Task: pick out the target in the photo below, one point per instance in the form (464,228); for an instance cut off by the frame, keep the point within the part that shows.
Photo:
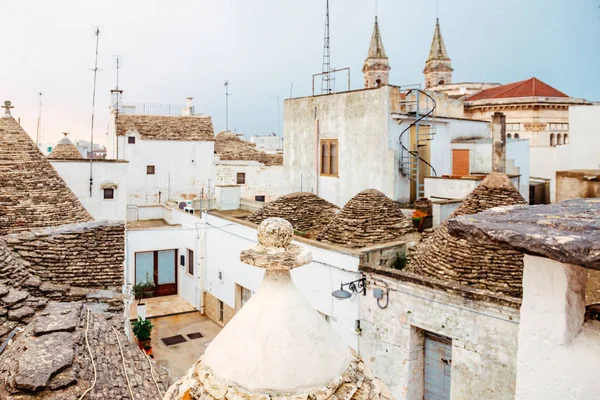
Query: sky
(268,50)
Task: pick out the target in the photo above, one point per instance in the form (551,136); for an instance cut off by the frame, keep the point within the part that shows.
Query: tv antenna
(39,124)
(226,84)
(97,33)
(325,77)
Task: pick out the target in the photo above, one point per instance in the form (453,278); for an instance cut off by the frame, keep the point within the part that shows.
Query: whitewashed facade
(256,180)
(109,195)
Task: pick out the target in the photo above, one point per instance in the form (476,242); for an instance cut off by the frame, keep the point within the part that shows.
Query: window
(508,136)
(220,306)
(566,140)
(559,139)
(516,135)
(131,139)
(260,198)
(242,295)
(513,127)
(109,194)
(558,127)
(241,178)
(190,262)
(329,157)
(150,170)
(552,140)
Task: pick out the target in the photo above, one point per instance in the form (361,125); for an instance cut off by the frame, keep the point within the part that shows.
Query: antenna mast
(226,105)
(97,33)
(39,124)
(325,77)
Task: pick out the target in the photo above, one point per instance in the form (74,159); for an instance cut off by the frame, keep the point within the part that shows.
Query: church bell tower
(438,68)
(376,69)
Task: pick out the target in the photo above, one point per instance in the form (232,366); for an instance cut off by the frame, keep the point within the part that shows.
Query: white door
(438,366)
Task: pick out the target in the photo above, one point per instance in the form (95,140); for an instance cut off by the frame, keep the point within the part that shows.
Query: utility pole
(325,77)
(39,124)
(226,105)
(97,33)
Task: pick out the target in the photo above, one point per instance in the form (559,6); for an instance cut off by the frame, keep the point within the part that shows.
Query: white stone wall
(558,354)
(76,174)
(484,340)
(262,180)
(584,137)
(182,169)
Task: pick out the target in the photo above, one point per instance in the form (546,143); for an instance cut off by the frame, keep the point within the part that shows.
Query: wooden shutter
(460,162)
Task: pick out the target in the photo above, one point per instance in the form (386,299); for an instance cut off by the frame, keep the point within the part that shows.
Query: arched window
(441,82)
(558,139)
(566,139)
(516,135)
(508,135)
(552,140)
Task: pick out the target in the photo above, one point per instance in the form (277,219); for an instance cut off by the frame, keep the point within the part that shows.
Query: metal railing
(153,109)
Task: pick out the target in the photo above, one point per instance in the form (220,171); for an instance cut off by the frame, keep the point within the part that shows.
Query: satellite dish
(182,205)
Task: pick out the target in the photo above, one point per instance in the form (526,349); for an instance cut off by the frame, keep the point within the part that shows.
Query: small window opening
(131,139)
(190,262)
(221,310)
(260,198)
(516,135)
(109,194)
(508,136)
(150,170)
(241,178)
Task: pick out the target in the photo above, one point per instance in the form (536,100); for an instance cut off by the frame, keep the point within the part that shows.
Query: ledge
(568,231)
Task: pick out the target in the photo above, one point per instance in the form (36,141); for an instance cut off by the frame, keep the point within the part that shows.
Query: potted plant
(142,328)
(148,349)
(143,291)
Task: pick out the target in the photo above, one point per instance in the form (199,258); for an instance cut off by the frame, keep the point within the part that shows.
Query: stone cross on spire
(7,108)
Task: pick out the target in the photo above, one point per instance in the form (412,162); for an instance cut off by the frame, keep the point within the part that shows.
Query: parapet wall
(88,254)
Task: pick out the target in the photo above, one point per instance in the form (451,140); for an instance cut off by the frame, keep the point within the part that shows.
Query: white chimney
(189,108)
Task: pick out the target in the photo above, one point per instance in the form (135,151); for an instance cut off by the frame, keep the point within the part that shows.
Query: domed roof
(277,344)
(32,194)
(65,150)
(368,218)
(307,212)
(489,266)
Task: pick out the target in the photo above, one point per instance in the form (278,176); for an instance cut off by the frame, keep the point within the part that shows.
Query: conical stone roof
(65,150)
(438,48)
(490,267)
(277,345)
(307,212)
(32,194)
(368,218)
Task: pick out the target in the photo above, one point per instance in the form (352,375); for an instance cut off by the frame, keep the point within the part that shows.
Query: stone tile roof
(307,212)
(50,359)
(368,218)
(65,150)
(532,87)
(158,127)
(32,194)
(568,231)
(231,147)
(481,266)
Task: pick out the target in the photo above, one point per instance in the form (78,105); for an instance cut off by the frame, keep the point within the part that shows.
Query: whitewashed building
(170,156)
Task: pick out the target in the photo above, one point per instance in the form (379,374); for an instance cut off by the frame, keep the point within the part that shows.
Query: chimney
(189,108)
(498,142)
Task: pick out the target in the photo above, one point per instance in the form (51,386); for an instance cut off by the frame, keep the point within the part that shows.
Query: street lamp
(357,286)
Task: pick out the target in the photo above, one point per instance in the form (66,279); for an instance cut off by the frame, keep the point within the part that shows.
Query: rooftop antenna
(437,9)
(97,33)
(226,105)
(117,73)
(39,124)
(325,77)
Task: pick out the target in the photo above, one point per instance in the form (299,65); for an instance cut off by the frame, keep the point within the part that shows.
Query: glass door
(166,280)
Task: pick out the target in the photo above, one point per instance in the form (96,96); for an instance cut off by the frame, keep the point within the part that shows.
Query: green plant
(399,262)
(142,328)
(143,290)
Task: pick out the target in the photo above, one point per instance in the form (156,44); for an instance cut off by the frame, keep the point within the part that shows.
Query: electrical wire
(152,374)
(87,343)
(123,361)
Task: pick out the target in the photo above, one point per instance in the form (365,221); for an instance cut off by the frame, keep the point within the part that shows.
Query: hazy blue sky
(174,49)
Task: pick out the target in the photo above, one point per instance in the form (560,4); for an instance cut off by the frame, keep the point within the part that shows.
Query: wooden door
(460,162)
(438,367)
(158,267)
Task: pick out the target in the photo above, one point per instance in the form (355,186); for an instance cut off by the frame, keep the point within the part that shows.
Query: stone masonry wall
(211,309)
(86,255)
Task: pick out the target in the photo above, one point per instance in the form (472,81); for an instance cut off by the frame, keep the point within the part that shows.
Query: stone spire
(438,68)
(7,106)
(376,69)
(277,345)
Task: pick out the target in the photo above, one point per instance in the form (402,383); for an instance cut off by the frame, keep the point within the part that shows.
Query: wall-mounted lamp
(357,286)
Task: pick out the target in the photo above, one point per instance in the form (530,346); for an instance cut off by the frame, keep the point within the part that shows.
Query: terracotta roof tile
(368,218)
(528,88)
(32,194)
(158,127)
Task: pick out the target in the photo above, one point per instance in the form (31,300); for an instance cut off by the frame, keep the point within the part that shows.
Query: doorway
(158,267)
(438,366)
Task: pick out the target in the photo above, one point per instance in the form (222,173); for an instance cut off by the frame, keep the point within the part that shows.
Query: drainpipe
(498,142)
(317,153)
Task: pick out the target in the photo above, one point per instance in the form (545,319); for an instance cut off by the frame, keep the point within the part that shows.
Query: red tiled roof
(529,88)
